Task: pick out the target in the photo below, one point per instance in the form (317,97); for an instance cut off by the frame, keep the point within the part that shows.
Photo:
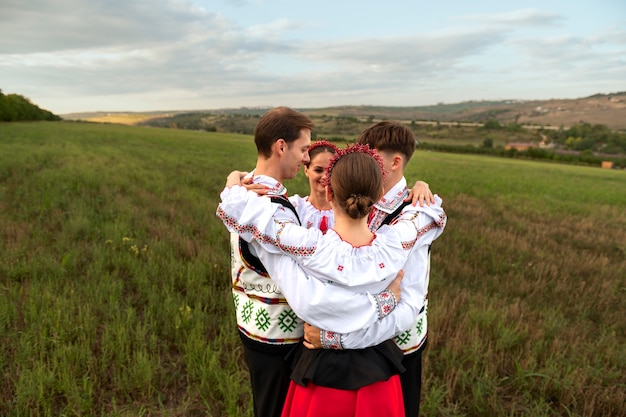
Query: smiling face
(315,171)
(296,154)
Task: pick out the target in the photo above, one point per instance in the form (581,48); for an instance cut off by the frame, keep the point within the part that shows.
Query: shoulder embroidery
(262,237)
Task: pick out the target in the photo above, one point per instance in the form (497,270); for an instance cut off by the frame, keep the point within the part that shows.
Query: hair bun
(358,206)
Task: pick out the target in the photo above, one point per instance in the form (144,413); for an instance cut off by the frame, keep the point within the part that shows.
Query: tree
(14,107)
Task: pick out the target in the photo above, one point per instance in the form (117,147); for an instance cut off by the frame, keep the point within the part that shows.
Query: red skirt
(380,399)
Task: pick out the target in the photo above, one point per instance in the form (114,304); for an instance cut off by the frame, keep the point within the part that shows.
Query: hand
(394,287)
(312,337)
(235,177)
(260,189)
(421,193)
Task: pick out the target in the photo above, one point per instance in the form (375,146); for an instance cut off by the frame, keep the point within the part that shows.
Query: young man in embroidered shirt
(395,143)
(268,328)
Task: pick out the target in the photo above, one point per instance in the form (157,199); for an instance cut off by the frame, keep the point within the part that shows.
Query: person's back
(352,198)
(396,144)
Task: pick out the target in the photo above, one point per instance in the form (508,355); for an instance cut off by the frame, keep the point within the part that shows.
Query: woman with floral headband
(330,382)
(314,210)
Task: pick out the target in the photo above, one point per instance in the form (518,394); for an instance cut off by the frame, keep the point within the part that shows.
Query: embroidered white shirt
(343,270)
(310,216)
(410,315)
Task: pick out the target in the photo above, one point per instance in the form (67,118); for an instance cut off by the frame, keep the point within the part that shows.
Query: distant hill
(604,109)
(14,107)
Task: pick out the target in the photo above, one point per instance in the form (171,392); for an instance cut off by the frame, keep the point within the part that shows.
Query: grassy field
(114,279)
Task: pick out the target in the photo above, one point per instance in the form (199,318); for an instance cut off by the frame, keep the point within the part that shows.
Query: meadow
(115,275)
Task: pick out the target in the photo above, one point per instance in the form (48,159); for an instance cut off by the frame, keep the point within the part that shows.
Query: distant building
(519,146)
(544,144)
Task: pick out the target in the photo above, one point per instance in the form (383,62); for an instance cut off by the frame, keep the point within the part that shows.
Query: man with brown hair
(268,327)
(395,142)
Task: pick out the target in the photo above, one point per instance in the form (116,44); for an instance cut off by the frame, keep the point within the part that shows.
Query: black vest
(244,248)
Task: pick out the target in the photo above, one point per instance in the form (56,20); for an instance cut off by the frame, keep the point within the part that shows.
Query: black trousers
(269,375)
(411,381)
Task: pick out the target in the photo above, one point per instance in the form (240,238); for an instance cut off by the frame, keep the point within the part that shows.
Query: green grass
(114,279)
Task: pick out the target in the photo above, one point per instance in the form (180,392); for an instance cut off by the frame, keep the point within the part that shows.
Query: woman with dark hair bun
(349,258)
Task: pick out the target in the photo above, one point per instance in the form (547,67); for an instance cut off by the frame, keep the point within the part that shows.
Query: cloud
(45,26)
(156,54)
(521,17)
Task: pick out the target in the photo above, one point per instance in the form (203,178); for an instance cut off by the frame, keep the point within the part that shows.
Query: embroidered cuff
(330,340)
(385,303)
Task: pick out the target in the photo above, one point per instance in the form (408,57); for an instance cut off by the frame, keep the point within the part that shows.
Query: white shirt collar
(393,197)
(276,187)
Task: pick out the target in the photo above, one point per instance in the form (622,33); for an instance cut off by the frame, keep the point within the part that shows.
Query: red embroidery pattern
(261,237)
(407,245)
(330,340)
(294,250)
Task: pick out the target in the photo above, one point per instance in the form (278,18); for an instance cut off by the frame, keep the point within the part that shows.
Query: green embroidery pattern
(236,300)
(246,312)
(262,319)
(403,338)
(287,321)
(420,326)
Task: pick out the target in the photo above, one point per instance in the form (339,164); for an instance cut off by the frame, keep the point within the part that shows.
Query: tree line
(14,108)
(581,137)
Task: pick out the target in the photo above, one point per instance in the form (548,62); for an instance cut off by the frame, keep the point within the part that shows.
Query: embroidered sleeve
(385,303)
(330,340)
(258,218)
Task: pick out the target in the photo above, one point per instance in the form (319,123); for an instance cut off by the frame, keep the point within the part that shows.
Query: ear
(280,146)
(329,194)
(397,162)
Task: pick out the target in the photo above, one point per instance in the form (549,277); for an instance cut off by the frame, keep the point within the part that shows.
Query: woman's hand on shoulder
(420,193)
(235,178)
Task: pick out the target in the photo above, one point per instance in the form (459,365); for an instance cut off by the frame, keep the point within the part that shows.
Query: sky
(148,55)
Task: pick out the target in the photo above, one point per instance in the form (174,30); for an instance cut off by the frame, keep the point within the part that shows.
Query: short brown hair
(356,182)
(279,123)
(389,136)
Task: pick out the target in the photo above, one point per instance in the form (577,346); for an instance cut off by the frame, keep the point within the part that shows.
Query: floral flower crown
(323,143)
(355,148)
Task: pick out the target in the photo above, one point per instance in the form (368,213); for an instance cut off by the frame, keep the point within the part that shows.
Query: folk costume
(357,376)
(311,216)
(412,340)
(268,327)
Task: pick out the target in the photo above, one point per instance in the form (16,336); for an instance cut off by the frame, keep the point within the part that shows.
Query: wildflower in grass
(185,311)
(134,249)
(183,316)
